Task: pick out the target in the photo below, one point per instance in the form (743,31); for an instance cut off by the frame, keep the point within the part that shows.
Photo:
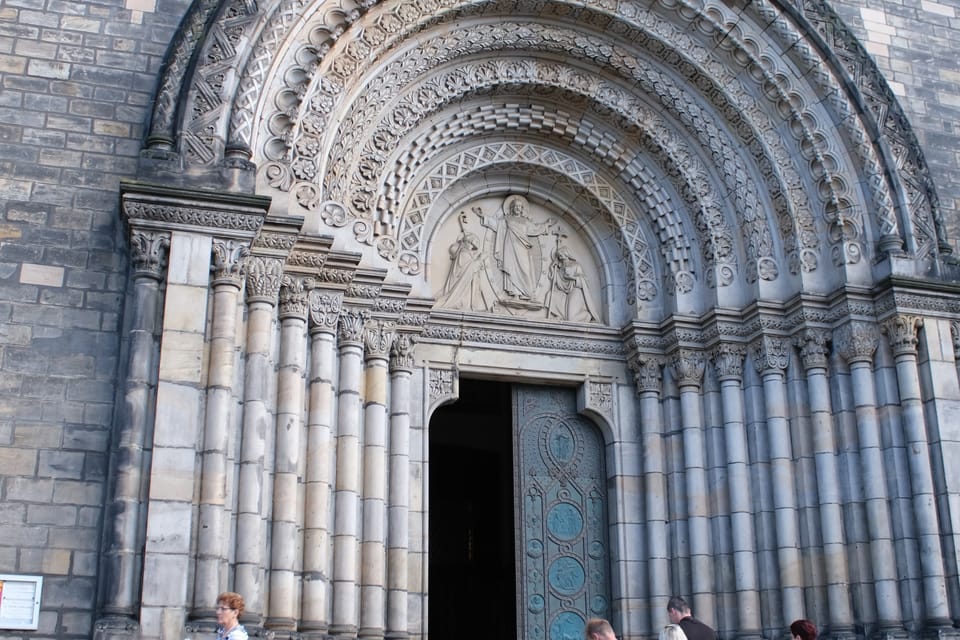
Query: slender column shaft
(689,367)
(857,342)
(771,359)
(398,530)
(347,492)
(263,286)
(813,352)
(728,361)
(378,337)
(324,314)
(213,514)
(902,332)
(649,382)
(123,558)
(287,498)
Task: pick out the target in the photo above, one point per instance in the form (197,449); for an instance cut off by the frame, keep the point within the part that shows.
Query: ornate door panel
(562,558)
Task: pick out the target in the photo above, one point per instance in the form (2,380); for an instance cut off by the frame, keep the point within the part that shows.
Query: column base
(889,631)
(116,628)
(840,633)
(941,629)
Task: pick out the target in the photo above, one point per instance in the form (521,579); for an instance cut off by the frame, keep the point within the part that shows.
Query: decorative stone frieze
(856,341)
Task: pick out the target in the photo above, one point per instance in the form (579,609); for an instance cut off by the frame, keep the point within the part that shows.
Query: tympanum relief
(508,256)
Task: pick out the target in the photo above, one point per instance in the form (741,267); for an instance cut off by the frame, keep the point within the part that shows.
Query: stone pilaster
(288,449)
(122,558)
(346,536)
(902,332)
(771,357)
(213,514)
(325,308)
(688,367)
(856,342)
(648,376)
(728,361)
(814,357)
(263,277)
(398,535)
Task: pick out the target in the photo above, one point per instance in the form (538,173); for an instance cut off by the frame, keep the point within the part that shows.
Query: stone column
(688,367)
(324,314)
(856,343)
(901,330)
(728,361)
(287,498)
(378,338)
(171,504)
(347,490)
(123,529)
(649,381)
(771,358)
(253,501)
(398,529)
(814,358)
(228,257)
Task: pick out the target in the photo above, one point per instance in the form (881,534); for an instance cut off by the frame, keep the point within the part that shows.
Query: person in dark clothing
(679,613)
(803,630)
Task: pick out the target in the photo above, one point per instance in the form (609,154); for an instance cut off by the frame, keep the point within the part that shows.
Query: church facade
(405,318)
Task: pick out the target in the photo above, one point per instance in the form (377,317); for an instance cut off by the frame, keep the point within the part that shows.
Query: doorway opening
(472,563)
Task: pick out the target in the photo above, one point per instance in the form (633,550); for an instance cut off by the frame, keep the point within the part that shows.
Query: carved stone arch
(863,105)
(627,229)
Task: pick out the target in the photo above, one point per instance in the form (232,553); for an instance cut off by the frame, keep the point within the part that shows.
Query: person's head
(672,632)
(229,609)
(803,630)
(677,609)
(598,629)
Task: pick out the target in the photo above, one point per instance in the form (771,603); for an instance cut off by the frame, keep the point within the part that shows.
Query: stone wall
(76,79)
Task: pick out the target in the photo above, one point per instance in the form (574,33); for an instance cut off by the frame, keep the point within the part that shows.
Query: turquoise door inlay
(561,515)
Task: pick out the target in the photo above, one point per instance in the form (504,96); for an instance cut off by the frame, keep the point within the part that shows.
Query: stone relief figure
(506,269)
(567,298)
(467,286)
(517,247)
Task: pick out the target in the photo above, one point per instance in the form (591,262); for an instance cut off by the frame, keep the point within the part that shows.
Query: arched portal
(692,215)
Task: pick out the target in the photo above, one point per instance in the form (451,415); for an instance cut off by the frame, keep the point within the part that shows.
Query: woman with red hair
(803,630)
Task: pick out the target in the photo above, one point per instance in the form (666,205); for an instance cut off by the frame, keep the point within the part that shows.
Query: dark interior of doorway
(472,574)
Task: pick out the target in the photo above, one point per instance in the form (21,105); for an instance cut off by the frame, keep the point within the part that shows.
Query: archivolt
(855,108)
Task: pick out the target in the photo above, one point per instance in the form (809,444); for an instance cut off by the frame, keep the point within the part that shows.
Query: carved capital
(770,355)
(646,372)
(148,253)
(378,336)
(728,359)
(263,279)
(813,348)
(443,385)
(401,352)
(600,397)
(688,366)
(325,307)
(901,330)
(228,261)
(294,297)
(955,333)
(351,327)
(857,341)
